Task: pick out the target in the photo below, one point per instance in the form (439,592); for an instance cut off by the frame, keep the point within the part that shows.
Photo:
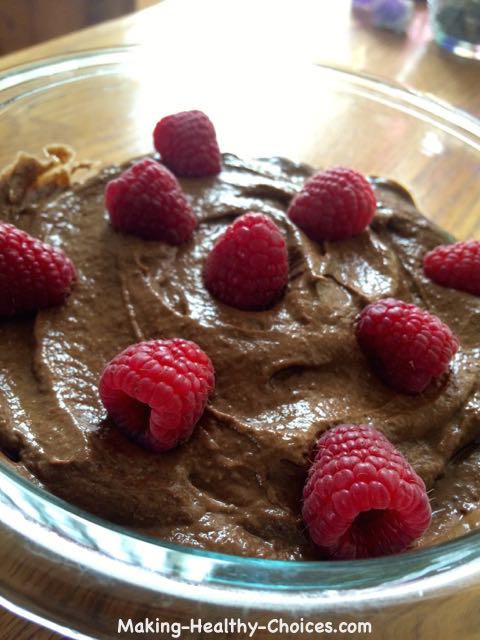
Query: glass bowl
(79,575)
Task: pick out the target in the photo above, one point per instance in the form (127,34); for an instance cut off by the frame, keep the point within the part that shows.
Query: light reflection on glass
(431,144)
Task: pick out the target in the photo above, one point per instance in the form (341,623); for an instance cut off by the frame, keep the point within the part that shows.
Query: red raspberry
(157,391)
(147,201)
(407,346)
(33,275)
(455,265)
(188,144)
(333,205)
(248,266)
(362,498)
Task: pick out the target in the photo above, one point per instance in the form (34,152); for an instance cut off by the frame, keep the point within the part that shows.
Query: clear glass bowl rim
(100,547)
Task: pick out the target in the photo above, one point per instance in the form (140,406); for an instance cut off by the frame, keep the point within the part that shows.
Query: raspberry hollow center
(375,532)
(130,414)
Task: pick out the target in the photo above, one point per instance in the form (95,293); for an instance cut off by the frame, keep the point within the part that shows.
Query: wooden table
(213,28)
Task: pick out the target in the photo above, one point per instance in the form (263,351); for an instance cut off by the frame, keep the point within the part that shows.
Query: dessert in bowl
(226,458)
(283,374)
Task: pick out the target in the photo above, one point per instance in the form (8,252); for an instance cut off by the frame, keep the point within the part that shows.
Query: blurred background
(27,22)
(455,23)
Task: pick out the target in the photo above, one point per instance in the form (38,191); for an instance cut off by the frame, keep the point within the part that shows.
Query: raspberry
(188,144)
(406,345)
(147,201)
(362,498)
(455,265)
(333,205)
(156,391)
(33,275)
(248,266)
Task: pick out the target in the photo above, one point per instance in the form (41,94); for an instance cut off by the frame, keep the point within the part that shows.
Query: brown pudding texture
(283,376)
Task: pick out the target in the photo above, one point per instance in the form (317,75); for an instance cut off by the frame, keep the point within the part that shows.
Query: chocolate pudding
(283,376)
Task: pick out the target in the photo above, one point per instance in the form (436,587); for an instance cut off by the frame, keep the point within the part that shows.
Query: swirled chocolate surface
(283,375)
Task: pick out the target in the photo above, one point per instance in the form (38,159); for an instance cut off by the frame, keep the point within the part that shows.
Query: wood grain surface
(26,22)
(208,29)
